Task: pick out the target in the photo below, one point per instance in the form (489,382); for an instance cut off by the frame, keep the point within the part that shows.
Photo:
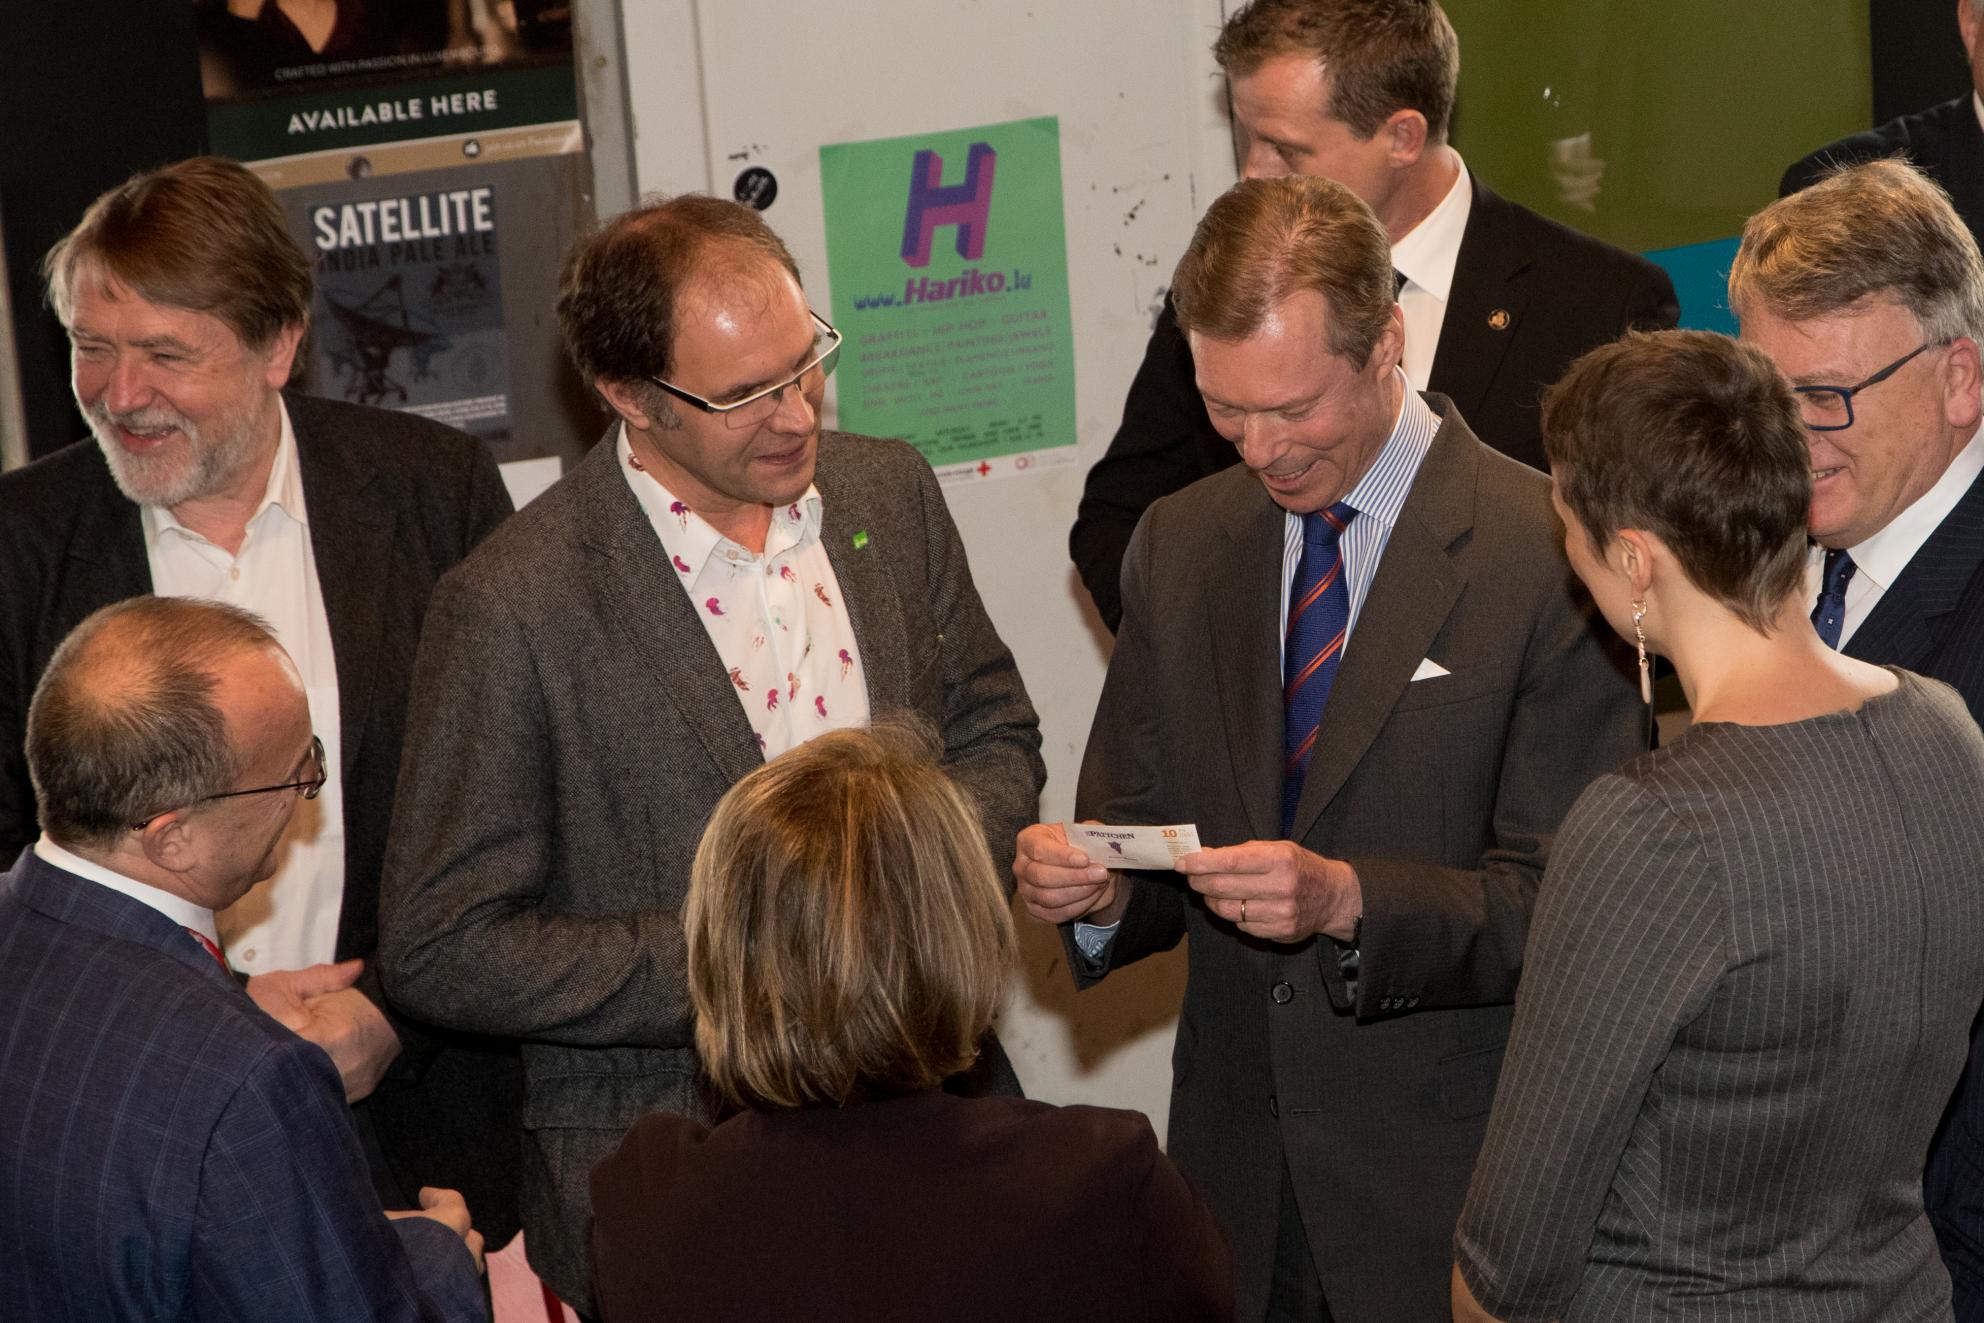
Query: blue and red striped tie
(1318,621)
(207,945)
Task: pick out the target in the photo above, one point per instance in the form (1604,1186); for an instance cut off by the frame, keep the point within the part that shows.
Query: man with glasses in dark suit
(186,302)
(720,580)
(1867,291)
(174,1153)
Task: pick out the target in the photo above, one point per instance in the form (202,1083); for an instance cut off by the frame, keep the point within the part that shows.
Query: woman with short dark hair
(1757,951)
(847,942)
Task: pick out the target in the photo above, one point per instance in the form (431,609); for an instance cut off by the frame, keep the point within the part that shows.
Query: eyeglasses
(1830,408)
(309,786)
(762,404)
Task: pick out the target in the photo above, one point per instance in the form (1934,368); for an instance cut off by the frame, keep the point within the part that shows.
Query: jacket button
(1274,1106)
(1282,994)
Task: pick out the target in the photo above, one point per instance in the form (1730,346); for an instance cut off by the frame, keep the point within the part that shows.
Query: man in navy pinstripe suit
(175,1153)
(1867,291)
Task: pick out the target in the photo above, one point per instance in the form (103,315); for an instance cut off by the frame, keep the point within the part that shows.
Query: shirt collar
(284,491)
(176,908)
(1882,557)
(1380,494)
(1426,254)
(689,540)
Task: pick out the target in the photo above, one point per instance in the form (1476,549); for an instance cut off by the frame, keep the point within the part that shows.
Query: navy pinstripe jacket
(172,1153)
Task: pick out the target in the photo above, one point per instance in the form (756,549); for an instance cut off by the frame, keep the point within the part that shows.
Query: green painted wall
(1659,125)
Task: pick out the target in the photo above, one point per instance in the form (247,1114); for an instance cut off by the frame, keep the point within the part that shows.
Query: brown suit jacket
(1443,793)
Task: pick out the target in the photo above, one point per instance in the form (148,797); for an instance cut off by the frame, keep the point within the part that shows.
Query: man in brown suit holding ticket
(1358,664)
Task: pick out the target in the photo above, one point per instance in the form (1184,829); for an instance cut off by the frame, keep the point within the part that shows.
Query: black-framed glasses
(1830,408)
(762,404)
(310,786)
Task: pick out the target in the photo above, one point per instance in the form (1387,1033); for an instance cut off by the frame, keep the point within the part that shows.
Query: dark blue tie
(1318,619)
(1830,613)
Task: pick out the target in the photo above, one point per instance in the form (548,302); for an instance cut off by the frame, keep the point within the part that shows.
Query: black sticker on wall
(756,187)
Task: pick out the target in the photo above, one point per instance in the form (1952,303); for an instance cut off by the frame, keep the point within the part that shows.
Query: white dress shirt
(776,618)
(1426,258)
(291,920)
(1879,561)
(176,908)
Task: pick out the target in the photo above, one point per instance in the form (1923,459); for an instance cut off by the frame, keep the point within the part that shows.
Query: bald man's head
(132,718)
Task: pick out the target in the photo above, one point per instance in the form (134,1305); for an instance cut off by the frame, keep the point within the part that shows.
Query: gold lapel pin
(1498,320)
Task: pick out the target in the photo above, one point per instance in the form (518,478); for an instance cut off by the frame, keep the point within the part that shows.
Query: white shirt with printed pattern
(776,619)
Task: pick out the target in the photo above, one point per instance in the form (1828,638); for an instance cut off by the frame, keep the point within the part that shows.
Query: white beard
(196,466)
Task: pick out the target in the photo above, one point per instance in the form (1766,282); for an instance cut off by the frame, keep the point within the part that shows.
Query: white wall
(717,85)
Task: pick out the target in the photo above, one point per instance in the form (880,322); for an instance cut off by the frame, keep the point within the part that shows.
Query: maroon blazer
(919,1207)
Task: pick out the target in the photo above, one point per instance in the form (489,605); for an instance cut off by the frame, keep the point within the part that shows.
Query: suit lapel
(351,540)
(106,556)
(1484,306)
(1908,623)
(644,597)
(866,587)
(1243,614)
(1414,591)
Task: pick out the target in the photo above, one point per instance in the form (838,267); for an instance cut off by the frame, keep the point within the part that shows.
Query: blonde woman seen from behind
(847,943)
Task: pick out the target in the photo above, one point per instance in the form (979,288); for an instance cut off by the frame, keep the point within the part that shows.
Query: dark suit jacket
(1944,140)
(394,500)
(1563,293)
(1443,793)
(1932,622)
(911,1208)
(172,1152)
(572,730)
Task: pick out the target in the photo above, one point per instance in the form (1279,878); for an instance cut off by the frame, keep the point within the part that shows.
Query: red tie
(212,950)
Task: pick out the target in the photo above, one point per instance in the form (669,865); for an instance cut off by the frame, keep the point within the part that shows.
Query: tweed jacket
(573,729)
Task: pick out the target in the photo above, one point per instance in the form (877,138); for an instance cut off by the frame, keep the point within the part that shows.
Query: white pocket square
(1428,669)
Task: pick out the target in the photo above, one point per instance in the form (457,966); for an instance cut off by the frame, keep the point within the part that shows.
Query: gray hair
(1881,229)
(124,726)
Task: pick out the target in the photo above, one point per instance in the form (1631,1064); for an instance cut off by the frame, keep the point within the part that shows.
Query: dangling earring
(1646,676)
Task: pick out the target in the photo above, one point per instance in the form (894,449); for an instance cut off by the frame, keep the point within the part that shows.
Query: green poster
(949,265)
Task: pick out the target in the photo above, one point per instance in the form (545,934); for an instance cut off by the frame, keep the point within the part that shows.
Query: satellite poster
(409,306)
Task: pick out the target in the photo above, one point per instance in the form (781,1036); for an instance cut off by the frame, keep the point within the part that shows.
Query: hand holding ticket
(1133,847)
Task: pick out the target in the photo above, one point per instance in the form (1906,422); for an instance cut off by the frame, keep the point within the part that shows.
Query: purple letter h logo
(931,204)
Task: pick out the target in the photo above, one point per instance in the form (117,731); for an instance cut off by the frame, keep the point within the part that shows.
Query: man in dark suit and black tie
(1946,141)
(1867,291)
(1358,664)
(1497,300)
(186,301)
(173,1153)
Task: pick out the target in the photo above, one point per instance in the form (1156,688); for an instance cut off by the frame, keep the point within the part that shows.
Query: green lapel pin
(861,540)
